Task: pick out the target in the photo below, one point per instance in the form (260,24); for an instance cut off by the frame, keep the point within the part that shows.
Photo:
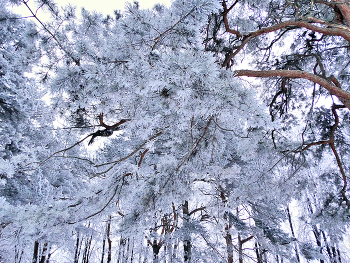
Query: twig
(128,156)
(103,208)
(171,28)
(142,156)
(77,62)
(195,147)
(66,149)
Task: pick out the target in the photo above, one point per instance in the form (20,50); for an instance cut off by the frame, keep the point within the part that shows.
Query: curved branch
(341,94)
(224,15)
(332,30)
(114,163)
(96,213)
(330,141)
(64,150)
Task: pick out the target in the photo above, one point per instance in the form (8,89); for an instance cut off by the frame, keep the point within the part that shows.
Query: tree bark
(109,241)
(43,253)
(77,249)
(187,240)
(103,249)
(155,248)
(229,245)
(35,253)
(293,235)
(341,94)
(345,11)
(240,249)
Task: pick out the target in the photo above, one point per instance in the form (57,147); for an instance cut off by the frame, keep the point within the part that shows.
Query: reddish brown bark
(328,84)
(307,22)
(345,10)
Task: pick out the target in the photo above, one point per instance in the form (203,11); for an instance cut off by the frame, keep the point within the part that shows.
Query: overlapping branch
(330,141)
(330,84)
(331,29)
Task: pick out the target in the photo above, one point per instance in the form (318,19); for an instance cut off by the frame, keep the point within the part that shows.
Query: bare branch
(170,29)
(195,147)
(341,94)
(128,156)
(77,62)
(226,11)
(330,30)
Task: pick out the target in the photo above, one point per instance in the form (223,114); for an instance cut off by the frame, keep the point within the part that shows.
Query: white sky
(102,6)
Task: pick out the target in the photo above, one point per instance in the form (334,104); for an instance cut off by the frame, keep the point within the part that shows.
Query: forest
(206,131)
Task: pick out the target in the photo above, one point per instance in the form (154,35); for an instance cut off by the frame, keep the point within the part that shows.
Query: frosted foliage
(128,137)
(6,168)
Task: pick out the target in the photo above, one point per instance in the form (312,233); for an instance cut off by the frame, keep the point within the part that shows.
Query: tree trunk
(35,253)
(132,251)
(333,253)
(48,256)
(77,249)
(43,254)
(155,248)
(109,257)
(293,235)
(257,252)
(86,255)
(316,232)
(187,239)
(229,245)
(103,249)
(240,249)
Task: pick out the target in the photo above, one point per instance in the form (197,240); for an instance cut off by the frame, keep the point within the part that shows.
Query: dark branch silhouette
(108,131)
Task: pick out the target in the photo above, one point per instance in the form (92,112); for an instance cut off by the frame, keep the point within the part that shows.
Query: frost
(6,168)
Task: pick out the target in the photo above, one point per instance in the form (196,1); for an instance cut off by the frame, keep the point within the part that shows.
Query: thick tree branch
(330,30)
(224,15)
(341,94)
(344,9)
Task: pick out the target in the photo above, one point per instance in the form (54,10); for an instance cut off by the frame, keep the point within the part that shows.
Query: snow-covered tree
(154,145)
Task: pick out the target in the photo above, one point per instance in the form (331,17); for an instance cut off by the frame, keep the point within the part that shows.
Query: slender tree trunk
(18,254)
(43,253)
(187,239)
(155,249)
(229,244)
(293,235)
(121,247)
(86,254)
(77,249)
(48,256)
(89,250)
(127,250)
(103,249)
(35,253)
(330,250)
(316,232)
(257,252)
(240,249)
(109,257)
(174,255)
(339,257)
(132,251)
